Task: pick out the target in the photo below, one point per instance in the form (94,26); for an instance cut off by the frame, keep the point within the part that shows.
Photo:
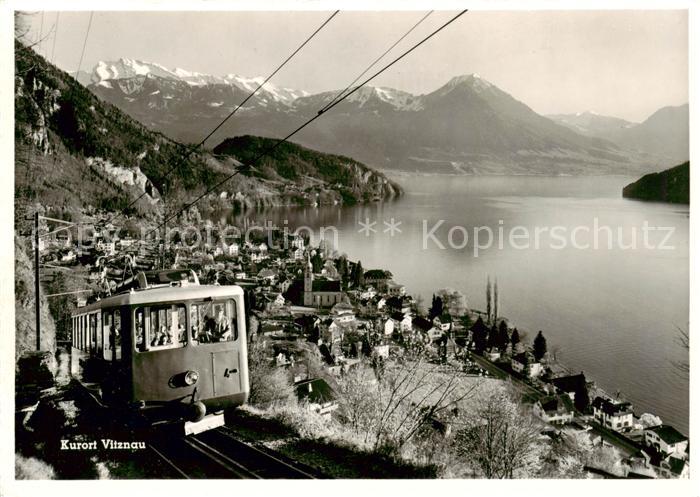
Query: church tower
(308,282)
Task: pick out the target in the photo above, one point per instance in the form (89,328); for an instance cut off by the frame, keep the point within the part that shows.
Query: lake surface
(612,312)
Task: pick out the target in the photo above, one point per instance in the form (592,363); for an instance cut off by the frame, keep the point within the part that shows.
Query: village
(308,303)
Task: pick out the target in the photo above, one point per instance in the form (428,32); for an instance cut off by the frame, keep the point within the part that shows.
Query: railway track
(219,454)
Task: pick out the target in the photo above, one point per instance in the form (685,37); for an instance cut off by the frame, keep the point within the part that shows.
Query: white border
(10,487)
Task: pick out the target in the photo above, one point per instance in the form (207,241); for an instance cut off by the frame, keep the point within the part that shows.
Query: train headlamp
(191,377)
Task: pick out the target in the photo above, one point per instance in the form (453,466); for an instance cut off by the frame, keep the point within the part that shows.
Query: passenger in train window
(140,336)
(194,323)
(223,328)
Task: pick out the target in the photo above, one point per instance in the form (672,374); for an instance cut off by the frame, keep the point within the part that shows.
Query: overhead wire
(82,54)
(218,126)
(55,34)
(379,58)
(269,150)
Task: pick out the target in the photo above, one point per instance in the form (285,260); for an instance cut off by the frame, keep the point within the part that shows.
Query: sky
(625,64)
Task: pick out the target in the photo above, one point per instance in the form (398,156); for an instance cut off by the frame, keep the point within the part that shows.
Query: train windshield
(165,326)
(213,321)
(160,327)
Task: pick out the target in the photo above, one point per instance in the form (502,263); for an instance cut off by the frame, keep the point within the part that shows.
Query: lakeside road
(627,446)
(532,393)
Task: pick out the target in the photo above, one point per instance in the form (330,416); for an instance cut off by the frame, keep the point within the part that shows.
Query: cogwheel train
(166,349)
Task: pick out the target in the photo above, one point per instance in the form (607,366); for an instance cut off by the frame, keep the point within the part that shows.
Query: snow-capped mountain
(664,133)
(468,125)
(590,123)
(105,72)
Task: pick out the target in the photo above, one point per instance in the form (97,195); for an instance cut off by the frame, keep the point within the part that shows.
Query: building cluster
(308,301)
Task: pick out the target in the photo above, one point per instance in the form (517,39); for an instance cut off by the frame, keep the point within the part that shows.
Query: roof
(397,316)
(377,274)
(570,383)
(325,286)
(611,408)
(559,404)
(522,358)
(422,323)
(316,391)
(445,318)
(668,434)
(675,465)
(163,294)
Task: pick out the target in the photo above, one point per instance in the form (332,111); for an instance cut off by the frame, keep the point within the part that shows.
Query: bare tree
(683,340)
(390,411)
(500,439)
(268,384)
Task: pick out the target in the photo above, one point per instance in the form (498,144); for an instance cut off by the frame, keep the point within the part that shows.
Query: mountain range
(664,133)
(467,126)
(78,154)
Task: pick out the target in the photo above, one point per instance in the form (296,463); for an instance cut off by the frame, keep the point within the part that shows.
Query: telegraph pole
(37,304)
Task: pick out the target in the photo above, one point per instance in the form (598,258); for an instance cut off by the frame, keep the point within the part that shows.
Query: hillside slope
(671,185)
(78,154)
(291,163)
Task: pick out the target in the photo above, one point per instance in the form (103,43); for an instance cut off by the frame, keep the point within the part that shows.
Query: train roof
(163,294)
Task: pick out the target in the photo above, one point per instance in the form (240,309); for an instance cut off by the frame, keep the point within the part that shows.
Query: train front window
(213,321)
(160,327)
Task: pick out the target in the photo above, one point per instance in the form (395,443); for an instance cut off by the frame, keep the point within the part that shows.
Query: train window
(107,321)
(98,333)
(140,330)
(213,321)
(116,336)
(160,327)
(92,319)
(111,335)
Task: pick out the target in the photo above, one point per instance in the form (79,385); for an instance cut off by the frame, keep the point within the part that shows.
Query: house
(402,321)
(444,322)
(232,249)
(298,243)
(394,289)
(525,364)
(435,333)
(368,293)
(617,416)
(378,278)
(107,247)
(400,304)
(666,439)
(421,324)
(673,467)
(388,327)
(299,254)
(556,409)
(343,312)
(267,274)
(318,396)
(571,385)
(493,354)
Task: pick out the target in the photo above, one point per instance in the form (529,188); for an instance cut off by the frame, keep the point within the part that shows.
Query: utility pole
(37,305)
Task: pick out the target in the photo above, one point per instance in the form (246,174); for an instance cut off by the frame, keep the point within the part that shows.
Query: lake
(611,311)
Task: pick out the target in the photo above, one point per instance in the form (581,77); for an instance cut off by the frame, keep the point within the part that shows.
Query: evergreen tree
(437,308)
(317,262)
(514,338)
(539,346)
(343,269)
(479,336)
(358,275)
(488,299)
(503,337)
(493,340)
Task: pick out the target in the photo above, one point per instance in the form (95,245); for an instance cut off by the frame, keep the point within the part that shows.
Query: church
(311,292)
(320,293)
